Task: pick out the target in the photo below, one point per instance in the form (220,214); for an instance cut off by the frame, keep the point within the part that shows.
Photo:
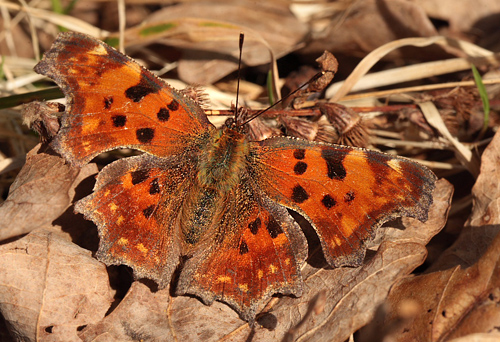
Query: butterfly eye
(230,123)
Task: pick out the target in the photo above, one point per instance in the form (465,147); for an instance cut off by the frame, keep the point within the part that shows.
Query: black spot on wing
(328,201)
(154,187)
(299,194)
(334,162)
(163,114)
(119,120)
(145,135)
(139,176)
(300,168)
(173,106)
(299,154)
(149,211)
(255,225)
(243,247)
(108,101)
(273,228)
(138,92)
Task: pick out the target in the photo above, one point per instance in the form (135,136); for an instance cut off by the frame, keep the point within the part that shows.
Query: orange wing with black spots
(257,251)
(113,102)
(344,192)
(135,205)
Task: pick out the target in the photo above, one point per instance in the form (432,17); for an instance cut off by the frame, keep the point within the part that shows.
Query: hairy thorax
(222,161)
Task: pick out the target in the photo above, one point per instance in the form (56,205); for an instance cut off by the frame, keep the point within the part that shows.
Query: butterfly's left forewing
(113,102)
(346,193)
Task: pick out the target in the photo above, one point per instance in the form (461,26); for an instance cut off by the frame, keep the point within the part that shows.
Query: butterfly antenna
(314,78)
(242,38)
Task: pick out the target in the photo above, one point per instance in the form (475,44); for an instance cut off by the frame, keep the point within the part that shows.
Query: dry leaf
(465,14)
(484,222)
(42,191)
(460,292)
(369,24)
(141,315)
(455,302)
(493,336)
(204,61)
(50,288)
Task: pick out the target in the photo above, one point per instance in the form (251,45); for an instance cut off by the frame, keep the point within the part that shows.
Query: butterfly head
(234,125)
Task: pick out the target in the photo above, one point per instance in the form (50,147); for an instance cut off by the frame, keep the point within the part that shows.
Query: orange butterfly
(208,197)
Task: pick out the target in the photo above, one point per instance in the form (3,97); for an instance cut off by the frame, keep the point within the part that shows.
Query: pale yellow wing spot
(99,50)
(120,220)
(224,279)
(243,287)
(122,241)
(394,163)
(338,242)
(141,248)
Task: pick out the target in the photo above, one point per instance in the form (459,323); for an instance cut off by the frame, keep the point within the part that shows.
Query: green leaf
(484,98)
(41,95)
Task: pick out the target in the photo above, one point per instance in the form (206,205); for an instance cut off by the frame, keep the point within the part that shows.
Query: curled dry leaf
(42,191)
(456,302)
(41,117)
(459,293)
(50,288)
(156,316)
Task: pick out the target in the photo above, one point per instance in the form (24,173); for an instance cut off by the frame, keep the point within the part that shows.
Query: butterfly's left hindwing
(345,193)
(136,204)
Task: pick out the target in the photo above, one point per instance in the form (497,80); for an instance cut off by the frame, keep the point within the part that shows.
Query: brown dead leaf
(141,315)
(50,288)
(493,336)
(42,191)
(455,302)
(205,60)
(156,316)
(465,13)
(484,223)
(460,292)
(369,24)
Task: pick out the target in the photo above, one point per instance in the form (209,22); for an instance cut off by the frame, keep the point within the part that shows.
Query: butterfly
(208,200)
